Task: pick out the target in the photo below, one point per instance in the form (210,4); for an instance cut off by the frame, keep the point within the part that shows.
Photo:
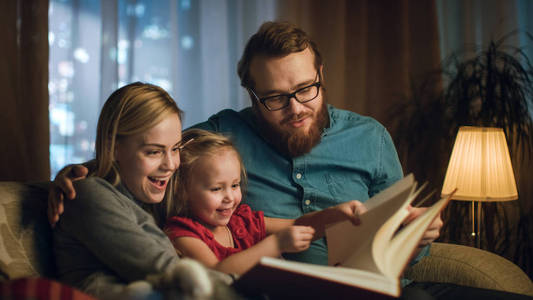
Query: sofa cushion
(25,238)
(470,266)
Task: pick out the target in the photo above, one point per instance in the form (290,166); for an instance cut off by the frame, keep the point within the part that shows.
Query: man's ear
(322,81)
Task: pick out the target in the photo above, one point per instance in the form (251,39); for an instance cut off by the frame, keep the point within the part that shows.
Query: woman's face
(147,160)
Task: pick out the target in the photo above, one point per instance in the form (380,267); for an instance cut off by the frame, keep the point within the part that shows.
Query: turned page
(352,246)
(403,244)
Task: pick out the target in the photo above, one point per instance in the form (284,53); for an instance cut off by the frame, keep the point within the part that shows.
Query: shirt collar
(331,120)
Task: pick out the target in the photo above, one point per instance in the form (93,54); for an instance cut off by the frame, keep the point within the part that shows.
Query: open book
(365,261)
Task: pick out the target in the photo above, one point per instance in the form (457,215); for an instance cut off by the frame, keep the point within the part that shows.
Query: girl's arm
(283,236)
(319,219)
(290,239)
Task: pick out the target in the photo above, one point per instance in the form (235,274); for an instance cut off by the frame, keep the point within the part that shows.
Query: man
(300,153)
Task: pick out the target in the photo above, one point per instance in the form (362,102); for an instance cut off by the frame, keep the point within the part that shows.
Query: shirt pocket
(343,187)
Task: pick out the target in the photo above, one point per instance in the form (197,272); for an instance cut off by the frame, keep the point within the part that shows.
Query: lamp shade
(480,167)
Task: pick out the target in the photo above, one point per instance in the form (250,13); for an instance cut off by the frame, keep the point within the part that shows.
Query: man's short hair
(274,39)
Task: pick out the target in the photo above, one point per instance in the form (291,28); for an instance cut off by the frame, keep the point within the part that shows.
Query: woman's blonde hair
(130,110)
(198,143)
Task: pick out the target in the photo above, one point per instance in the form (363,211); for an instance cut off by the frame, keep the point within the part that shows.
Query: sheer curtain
(188,47)
(370,48)
(467,24)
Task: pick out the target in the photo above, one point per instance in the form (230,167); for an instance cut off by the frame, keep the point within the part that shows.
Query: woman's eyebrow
(152,145)
(148,144)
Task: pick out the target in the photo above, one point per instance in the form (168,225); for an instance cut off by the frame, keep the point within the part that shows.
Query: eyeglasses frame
(317,84)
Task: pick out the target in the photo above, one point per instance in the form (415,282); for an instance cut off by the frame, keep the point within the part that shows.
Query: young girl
(209,223)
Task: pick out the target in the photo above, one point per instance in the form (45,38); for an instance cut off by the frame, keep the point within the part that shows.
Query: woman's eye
(153,152)
(216,189)
(235,185)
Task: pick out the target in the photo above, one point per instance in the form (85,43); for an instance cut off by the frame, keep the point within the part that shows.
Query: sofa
(26,249)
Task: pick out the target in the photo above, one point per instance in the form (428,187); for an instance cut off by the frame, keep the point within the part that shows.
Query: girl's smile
(214,189)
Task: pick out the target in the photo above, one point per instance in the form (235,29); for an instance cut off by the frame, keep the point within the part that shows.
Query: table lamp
(480,168)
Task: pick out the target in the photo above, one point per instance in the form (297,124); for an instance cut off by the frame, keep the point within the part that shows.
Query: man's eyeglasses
(281,101)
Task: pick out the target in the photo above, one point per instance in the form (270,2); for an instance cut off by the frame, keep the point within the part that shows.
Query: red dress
(246,226)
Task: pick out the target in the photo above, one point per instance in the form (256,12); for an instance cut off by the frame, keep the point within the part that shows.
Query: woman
(108,237)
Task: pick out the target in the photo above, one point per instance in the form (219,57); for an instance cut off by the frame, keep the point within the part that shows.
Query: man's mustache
(293,117)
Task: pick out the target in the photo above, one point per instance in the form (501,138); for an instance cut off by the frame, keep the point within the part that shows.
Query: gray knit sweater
(105,239)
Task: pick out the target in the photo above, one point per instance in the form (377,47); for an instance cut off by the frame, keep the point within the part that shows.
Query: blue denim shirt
(355,159)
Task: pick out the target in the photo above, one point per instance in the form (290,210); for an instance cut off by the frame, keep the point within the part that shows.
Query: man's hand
(295,238)
(351,210)
(433,231)
(62,187)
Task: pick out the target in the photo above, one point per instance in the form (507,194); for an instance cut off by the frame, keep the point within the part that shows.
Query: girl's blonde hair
(197,143)
(130,110)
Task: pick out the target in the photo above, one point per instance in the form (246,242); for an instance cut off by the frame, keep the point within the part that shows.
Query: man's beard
(297,143)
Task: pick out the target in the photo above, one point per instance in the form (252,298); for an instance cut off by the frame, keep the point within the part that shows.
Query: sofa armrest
(470,266)
(25,235)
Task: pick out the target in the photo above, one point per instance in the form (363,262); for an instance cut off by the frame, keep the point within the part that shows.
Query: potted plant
(490,87)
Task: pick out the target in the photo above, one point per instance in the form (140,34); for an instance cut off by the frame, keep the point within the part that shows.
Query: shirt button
(298,176)
(307,202)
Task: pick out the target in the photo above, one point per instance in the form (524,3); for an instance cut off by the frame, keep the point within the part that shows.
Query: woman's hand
(62,187)
(294,238)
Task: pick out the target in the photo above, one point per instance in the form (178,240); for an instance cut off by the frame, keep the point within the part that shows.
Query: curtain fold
(371,49)
(24,127)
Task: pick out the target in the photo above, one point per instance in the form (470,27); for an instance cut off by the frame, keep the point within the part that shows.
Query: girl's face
(147,160)
(214,189)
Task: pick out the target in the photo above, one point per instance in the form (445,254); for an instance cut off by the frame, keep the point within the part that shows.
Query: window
(188,47)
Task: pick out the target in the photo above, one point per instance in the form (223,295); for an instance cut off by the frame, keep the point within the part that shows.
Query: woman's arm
(290,239)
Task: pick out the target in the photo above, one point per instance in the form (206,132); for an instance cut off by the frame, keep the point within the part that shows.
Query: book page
(386,232)
(402,245)
(351,246)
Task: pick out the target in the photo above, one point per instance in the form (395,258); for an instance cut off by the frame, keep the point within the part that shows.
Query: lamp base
(476,222)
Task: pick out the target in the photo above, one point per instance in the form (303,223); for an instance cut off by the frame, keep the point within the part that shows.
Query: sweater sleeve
(121,235)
